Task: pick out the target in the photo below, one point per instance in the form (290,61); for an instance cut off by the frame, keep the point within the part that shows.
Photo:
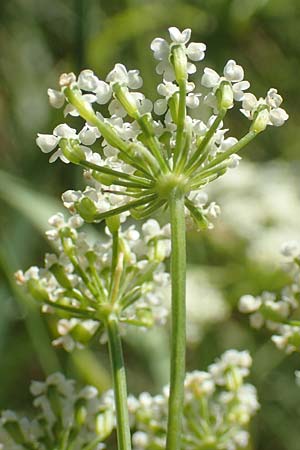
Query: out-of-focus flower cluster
(66,417)
(276,312)
(138,154)
(250,214)
(218,406)
(86,283)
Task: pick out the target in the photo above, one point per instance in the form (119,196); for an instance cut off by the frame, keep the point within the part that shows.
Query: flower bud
(105,424)
(225,96)
(59,272)
(37,291)
(72,150)
(179,61)
(261,121)
(87,209)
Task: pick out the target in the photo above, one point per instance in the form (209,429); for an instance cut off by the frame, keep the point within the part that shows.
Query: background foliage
(41,39)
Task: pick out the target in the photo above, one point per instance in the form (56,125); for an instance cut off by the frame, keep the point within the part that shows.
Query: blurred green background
(260,202)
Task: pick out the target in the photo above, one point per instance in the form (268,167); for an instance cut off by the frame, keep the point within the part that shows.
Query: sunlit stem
(129,104)
(115,173)
(234,149)
(125,207)
(180,122)
(119,382)
(178,338)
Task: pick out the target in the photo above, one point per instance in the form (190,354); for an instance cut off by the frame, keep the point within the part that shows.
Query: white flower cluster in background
(66,417)
(142,149)
(80,284)
(205,304)
(257,212)
(277,312)
(218,407)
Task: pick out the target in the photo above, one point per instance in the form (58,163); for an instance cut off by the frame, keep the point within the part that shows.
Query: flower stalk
(178,338)
(119,383)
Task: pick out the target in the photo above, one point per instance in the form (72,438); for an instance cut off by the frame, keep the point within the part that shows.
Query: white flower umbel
(143,160)
(66,416)
(216,412)
(87,283)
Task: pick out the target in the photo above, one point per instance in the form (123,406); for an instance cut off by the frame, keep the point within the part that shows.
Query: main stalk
(178,336)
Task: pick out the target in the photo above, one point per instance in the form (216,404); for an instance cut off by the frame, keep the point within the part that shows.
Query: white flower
(103,92)
(196,51)
(87,80)
(249,304)
(119,74)
(210,78)
(180,37)
(278,116)
(56,98)
(162,49)
(233,72)
(290,249)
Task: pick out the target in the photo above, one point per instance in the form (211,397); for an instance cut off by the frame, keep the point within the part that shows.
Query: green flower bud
(127,100)
(113,223)
(72,150)
(60,274)
(103,178)
(145,316)
(105,424)
(225,96)
(87,209)
(179,61)
(37,291)
(82,334)
(261,121)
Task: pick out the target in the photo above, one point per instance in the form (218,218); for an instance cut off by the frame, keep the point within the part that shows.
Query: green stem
(119,381)
(180,121)
(178,274)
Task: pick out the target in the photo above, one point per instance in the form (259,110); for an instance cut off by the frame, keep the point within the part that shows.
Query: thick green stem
(178,273)
(119,381)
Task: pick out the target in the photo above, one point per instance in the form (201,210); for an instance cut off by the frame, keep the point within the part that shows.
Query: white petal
(191,68)
(196,51)
(56,155)
(87,80)
(273,98)
(278,116)
(233,72)
(56,98)
(63,130)
(46,142)
(115,108)
(210,78)
(103,92)
(135,81)
(238,89)
(249,102)
(192,101)
(145,106)
(90,98)
(161,48)
(160,106)
(178,37)
(70,109)
(118,75)
(87,136)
